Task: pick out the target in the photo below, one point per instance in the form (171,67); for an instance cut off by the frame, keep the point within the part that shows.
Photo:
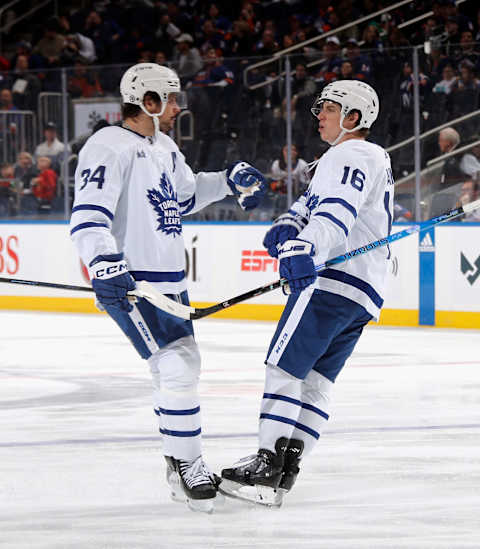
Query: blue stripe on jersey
(181,433)
(346,278)
(304,405)
(302,218)
(87,226)
(297,425)
(333,219)
(341,201)
(108,213)
(158,276)
(189,412)
(187,205)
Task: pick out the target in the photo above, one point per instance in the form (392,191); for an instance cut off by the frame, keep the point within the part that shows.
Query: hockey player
(132,187)
(349,203)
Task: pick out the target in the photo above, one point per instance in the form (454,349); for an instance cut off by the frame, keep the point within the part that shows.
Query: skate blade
(201,505)
(259,495)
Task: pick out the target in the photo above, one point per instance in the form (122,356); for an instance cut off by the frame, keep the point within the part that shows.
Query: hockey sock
(280,407)
(315,410)
(180,424)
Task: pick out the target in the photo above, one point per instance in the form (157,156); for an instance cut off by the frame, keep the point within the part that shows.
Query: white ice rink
(81,464)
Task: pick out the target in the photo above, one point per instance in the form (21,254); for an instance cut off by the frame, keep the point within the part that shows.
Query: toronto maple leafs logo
(312,201)
(164,202)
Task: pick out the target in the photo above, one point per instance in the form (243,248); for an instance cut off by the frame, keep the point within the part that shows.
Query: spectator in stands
(329,66)
(212,38)
(267,46)
(6,100)
(166,33)
(346,71)
(160,58)
(468,51)
(468,193)
(51,46)
(26,85)
(52,146)
(214,72)
(186,59)
(239,40)
(470,163)
(7,181)
(362,66)
(78,46)
(448,81)
(220,21)
(448,140)
(278,172)
(83,82)
(467,80)
(303,89)
(25,170)
(44,185)
(401,214)
(105,35)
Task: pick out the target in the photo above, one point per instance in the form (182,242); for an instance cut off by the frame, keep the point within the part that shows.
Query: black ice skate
(191,482)
(291,467)
(256,478)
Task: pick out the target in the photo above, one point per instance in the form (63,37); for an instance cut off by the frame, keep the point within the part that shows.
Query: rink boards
(433,279)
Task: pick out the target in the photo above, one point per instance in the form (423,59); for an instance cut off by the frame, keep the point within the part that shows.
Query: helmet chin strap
(343,131)
(154,116)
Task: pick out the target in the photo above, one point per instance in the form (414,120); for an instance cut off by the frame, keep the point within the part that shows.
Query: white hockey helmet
(350,95)
(150,77)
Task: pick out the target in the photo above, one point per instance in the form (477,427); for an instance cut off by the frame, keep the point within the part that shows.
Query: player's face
(329,121)
(167,120)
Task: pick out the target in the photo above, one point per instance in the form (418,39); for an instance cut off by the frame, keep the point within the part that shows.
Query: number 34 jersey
(130,194)
(349,204)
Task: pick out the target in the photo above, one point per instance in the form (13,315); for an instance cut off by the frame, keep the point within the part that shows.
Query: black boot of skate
(262,471)
(291,467)
(192,482)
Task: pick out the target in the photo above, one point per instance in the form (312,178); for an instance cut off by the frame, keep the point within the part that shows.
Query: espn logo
(258,260)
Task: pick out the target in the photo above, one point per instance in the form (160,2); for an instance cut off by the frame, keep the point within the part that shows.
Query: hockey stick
(143,289)
(192,313)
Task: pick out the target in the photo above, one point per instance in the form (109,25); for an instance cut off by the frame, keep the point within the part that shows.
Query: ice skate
(290,470)
(191,482)
(256,478)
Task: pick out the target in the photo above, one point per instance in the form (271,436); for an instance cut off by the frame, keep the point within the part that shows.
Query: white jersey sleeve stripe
(95,207)
(333,219)
(344,203)
(87,226)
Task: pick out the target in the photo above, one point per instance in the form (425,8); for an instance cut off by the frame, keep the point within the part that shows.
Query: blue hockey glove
(247,184)
(286,227)
(111,281)
(296,264)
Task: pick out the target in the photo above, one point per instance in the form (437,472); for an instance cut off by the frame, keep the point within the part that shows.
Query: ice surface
(81,464)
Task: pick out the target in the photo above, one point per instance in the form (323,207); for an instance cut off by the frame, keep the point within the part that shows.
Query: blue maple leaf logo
(312,201)
(164,202)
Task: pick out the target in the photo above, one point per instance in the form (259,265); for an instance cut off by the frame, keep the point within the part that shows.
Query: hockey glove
(286,227)
(247,184)
(296,265)
(111,281)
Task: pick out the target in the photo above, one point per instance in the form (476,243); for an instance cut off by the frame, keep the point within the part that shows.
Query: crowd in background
(211,44)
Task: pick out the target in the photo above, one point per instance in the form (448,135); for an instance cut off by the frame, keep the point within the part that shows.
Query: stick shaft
(46,284)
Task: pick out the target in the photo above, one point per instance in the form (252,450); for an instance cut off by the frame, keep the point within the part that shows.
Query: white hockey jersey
(348,204)
(130,194)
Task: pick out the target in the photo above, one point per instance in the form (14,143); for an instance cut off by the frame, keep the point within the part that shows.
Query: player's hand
(296,264)
(286,227)
(111,281)
(247,184)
